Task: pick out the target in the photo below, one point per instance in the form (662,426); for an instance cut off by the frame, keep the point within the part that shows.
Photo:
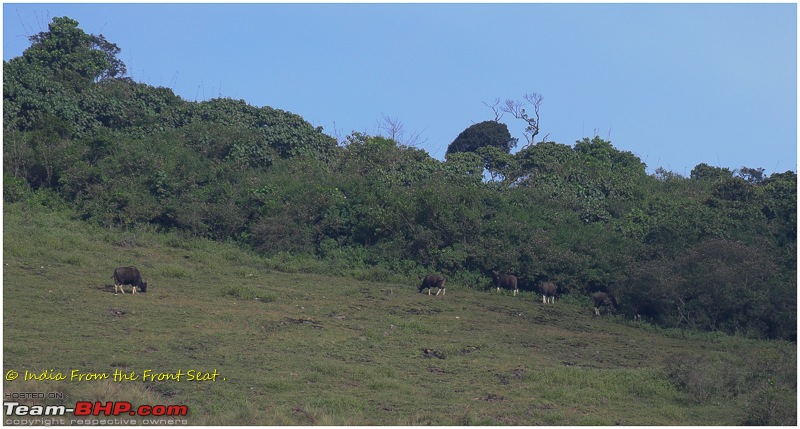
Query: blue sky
(676,84)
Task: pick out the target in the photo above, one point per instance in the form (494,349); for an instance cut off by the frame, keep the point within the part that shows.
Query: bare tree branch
(497,113)
(393,126)
(517,109)
(395,129)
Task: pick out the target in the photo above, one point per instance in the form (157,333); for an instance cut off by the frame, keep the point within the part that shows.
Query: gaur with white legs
(507,281)
(602,299)
(128,276)
(549,291)
(433,281)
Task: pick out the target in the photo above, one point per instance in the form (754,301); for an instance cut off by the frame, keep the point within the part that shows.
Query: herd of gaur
(548,289)
(133,277)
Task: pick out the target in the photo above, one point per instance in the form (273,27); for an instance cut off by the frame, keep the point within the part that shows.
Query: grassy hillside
(715,251)
(298,348)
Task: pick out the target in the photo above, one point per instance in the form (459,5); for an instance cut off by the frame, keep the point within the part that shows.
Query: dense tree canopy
(483,134)
(714,251)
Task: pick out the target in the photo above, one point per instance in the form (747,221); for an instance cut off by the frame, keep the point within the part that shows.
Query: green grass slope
(293,348)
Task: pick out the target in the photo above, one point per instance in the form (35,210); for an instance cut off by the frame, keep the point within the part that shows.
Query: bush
(705,377)
(469,279)
(771,407)
(15,189)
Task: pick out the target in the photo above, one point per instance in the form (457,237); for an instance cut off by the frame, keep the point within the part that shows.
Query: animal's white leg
(544,299)
(596,311)
(444,291)
(515,292)
(133,290)
(122,289)
(498,289)
(437,292)
(429,291)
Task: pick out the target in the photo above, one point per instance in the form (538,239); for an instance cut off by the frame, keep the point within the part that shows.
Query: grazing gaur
(433,281)
(549,290)
(601,299)
(128,276)
(507,281)
(648,308)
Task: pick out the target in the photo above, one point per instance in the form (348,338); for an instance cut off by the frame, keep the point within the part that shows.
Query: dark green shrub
(769,406)
(708,376)
(15,189)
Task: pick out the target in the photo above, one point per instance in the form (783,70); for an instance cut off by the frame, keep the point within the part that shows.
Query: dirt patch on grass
(428,353)
(302,321)
(422,311)
(492,397)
